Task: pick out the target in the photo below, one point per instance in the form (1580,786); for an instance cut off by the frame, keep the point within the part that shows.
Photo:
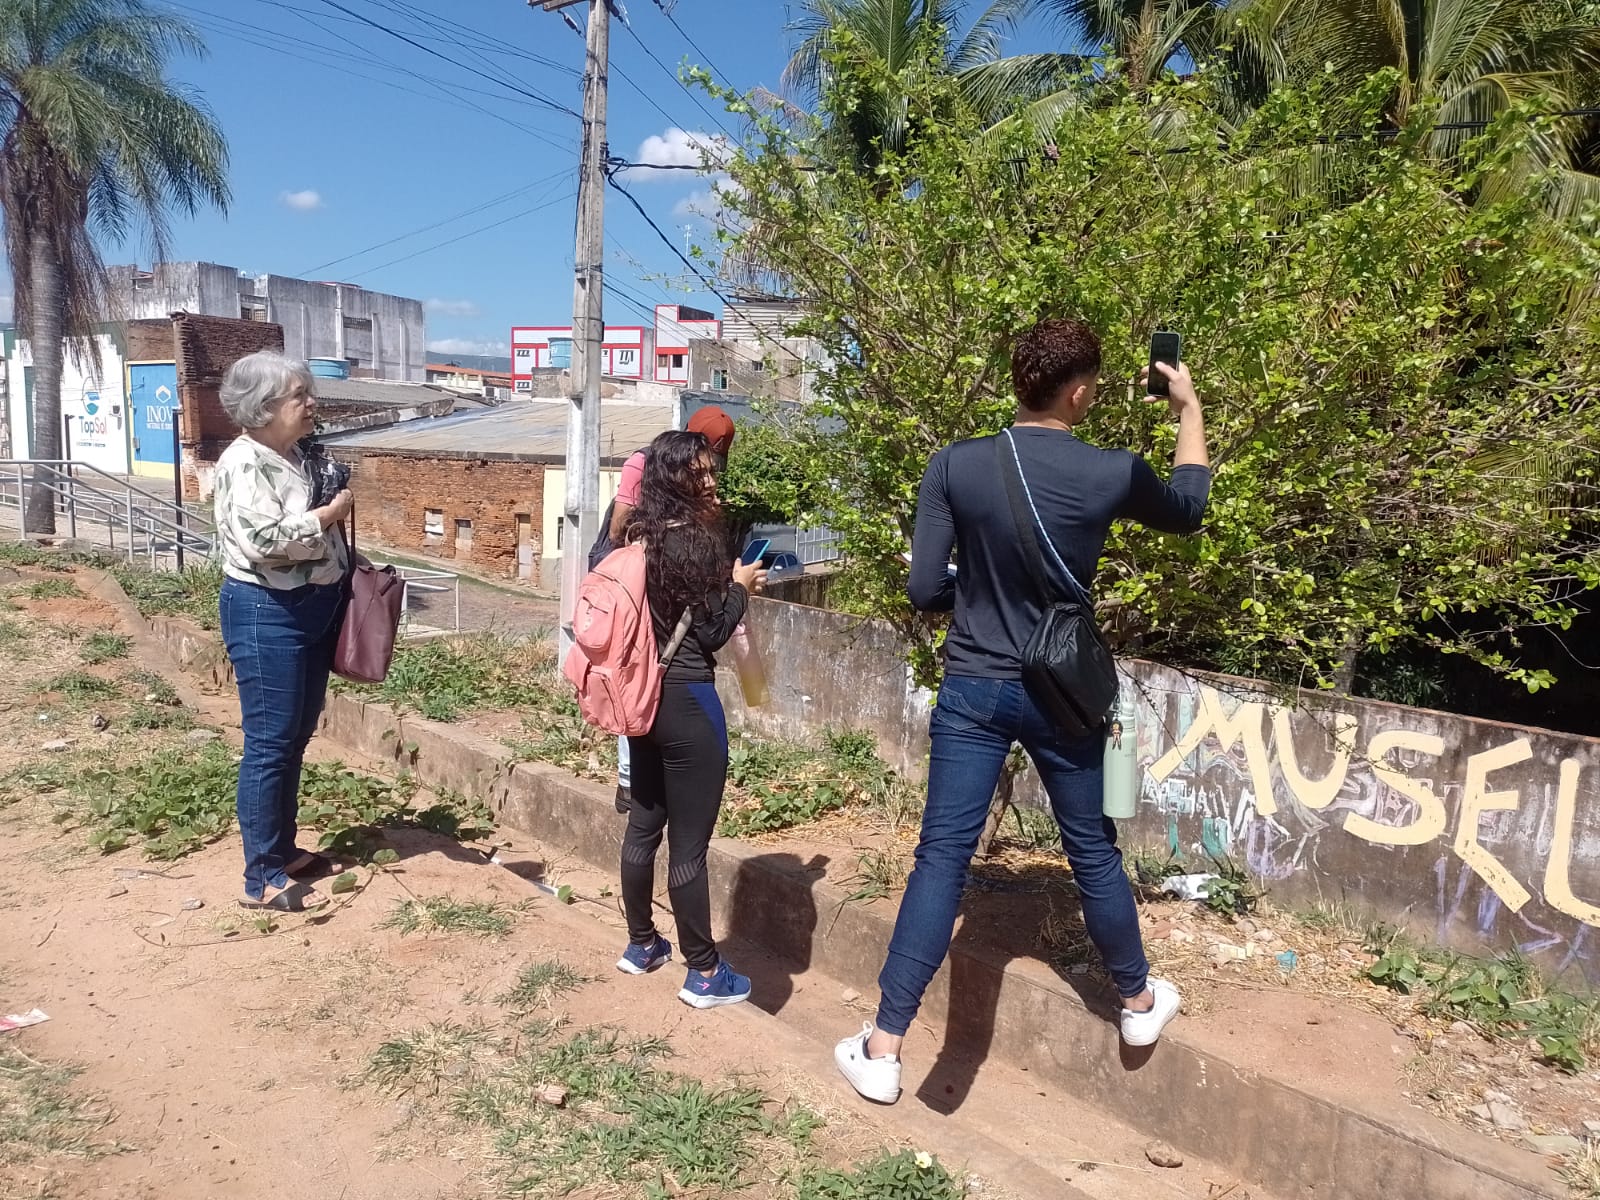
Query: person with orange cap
(718,428)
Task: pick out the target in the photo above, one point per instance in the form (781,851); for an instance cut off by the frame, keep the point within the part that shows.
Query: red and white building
(625,352)
(540,347)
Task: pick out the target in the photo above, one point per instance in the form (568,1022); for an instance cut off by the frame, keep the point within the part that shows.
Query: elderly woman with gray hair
(279,503)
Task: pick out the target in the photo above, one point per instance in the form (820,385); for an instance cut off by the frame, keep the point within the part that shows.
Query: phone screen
(1165,347)
(754,551)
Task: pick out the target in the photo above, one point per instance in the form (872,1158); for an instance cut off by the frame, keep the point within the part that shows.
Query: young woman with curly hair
(681,765)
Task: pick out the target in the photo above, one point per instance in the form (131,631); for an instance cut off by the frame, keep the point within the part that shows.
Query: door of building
(524,546)
(153,415)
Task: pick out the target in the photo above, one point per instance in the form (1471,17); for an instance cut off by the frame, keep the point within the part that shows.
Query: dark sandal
(291,899)
(314,866)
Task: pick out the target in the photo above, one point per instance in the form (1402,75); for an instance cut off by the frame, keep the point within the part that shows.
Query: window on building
(663,361)
(677,361)
(759,366)
(432,526)
(561,531)
(719,380)
(463,537)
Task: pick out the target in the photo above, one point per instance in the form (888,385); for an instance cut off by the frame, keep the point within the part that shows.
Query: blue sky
(344,137)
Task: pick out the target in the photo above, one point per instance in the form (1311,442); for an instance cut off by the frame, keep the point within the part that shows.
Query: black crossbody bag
(1067,667)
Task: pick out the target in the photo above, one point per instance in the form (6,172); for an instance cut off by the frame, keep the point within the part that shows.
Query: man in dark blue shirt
(1076,491)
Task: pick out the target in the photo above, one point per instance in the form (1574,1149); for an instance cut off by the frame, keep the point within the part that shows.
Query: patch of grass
(80,685)
(23,554)
(1233,893)
(424,1059)
(12,635)
(448,678)
(155,689)
(51,589)
(881,874)
(446,914)
(1581,1172)
(540,985)
(776,785)
(103,647)
(151,716)
(171,802)
(351,809)
(194,592)
(40,1116)
(904,1175)
(1503,997)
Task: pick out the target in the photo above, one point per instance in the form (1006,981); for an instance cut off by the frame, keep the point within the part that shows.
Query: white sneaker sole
(627,968)
(844,1058)
(694,1001)
(1168,1004)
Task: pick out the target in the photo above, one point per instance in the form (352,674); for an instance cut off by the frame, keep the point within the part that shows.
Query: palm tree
(898,36)
(91,135)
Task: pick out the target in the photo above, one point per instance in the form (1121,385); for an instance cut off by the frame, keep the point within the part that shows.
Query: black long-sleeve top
(1078,490)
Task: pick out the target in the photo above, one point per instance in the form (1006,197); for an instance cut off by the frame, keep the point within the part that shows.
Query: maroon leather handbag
(372,604)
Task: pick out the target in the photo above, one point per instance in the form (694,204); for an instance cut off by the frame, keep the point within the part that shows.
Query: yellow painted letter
(1476,801)
(1244,725)
(1430,820)
(1314,793)
(1557,872)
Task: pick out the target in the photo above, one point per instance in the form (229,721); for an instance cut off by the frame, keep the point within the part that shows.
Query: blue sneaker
(725,986)
(637,960)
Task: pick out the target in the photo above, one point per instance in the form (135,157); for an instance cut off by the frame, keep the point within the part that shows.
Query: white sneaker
(1144,1028)
(875,1078)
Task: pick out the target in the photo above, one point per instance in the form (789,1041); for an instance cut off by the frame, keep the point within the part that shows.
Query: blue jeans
(281,643)
(973,728)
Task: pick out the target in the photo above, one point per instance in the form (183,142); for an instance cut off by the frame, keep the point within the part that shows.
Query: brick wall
(395,491)
(205,348)
(151,341)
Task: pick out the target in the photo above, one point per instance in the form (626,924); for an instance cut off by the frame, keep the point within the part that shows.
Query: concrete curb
(1268,1130)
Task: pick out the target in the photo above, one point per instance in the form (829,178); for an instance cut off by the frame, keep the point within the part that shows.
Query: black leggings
(679,769)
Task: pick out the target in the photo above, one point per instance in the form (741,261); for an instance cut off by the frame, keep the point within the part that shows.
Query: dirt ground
(217,1058)
(192,1052)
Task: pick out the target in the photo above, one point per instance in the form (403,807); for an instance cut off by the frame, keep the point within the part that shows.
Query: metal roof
(518,431)
(377,392)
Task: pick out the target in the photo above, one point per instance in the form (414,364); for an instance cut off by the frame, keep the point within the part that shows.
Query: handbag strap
(1025,515)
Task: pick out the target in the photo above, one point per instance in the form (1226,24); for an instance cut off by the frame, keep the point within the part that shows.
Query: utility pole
(582,516)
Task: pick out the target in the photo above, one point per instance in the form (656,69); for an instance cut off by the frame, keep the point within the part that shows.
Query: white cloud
(469,346)
(677,148)
(709,203)
(450,308)
(302,201)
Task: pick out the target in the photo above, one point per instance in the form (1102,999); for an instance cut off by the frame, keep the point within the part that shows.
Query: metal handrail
(185,531)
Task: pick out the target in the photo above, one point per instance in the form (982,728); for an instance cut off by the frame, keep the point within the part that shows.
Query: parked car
(782,565)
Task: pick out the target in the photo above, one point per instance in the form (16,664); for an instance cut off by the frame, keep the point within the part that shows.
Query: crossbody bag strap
(1012,474)
(678,636)
(1028,518)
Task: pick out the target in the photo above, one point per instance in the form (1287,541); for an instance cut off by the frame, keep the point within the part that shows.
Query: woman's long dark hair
(686,540)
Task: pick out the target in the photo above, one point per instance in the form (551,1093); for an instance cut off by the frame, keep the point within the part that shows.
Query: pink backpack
(613,661)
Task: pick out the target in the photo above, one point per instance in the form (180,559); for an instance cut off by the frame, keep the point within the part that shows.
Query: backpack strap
(678,636)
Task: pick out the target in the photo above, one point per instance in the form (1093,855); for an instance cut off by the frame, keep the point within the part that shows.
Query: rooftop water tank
(561,353)
(329,368)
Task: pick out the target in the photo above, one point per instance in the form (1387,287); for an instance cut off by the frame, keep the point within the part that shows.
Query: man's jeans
(973,728)
(281,643)
(624,764)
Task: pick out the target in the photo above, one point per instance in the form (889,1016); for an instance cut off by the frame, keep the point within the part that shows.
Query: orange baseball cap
(717,426)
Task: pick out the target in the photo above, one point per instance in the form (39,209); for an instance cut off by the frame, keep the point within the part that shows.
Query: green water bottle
(1120,776)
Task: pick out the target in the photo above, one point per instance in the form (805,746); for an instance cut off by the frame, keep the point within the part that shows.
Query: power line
(460,216)
(510,86)
(285,44)
(516,216)
(480,39)
(693,45)
(673,75)
(615,68)
(686,261)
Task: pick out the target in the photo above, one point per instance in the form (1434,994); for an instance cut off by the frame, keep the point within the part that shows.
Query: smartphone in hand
(753,552)
(1165,347)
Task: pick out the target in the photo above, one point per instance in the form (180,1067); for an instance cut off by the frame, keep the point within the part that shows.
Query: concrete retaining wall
(1480,835)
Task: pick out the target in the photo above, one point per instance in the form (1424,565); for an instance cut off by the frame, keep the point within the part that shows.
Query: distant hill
(472,362)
